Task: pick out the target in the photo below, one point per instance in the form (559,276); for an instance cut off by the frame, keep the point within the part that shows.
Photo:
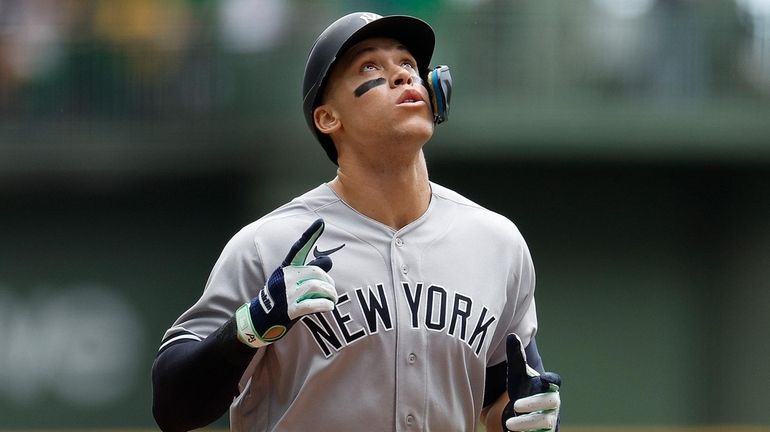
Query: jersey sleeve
(520,314)
(235,279)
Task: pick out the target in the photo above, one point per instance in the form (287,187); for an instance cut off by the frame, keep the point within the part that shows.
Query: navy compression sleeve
(194,382)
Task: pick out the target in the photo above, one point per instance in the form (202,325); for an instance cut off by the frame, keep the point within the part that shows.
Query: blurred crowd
(113,57)
(67,58)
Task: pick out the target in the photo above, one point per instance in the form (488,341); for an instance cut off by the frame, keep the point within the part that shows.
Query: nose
(400,77)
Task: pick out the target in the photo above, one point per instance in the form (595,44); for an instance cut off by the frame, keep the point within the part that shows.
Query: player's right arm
(195,381)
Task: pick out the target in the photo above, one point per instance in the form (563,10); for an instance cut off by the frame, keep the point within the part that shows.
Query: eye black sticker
(365,87)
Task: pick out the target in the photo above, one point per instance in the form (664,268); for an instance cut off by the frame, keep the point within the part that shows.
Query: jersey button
(409,420)
(404,269)
(399,242)
(411,358)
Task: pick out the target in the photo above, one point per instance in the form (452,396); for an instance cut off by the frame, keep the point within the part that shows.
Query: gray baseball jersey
(422,312)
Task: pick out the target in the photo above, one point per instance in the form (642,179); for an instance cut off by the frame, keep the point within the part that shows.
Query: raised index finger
(301,248)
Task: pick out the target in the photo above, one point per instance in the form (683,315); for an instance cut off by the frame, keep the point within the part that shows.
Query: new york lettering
(431,308)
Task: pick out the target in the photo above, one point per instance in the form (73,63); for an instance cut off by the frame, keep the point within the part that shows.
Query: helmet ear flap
(439,84)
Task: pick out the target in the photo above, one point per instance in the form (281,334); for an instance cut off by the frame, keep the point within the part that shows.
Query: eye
(408,64)
(368,67)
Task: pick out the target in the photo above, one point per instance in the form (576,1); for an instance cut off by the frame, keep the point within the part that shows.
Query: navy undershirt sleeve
(494,385)
(194,382)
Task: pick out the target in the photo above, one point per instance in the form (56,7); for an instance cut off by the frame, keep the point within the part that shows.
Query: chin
(419,129)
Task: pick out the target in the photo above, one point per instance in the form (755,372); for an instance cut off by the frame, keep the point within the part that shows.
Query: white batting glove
(535,400)
(293,290)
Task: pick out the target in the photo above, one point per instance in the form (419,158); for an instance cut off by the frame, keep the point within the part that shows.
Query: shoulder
(477,217)
(280,228)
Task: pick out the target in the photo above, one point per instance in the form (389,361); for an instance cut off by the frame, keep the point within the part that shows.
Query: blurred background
(628,139)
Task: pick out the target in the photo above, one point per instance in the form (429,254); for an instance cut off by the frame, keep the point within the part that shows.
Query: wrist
(247,334)
(491,415)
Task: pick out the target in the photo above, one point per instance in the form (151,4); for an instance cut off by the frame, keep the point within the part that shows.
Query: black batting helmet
(416,35)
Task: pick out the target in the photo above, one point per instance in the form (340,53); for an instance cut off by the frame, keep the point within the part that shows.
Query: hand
(534,398)
(293,290)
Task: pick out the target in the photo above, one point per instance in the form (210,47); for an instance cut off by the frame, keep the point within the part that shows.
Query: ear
(326,119)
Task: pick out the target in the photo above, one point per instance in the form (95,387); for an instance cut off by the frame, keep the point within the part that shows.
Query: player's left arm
(535,393)
(519,395)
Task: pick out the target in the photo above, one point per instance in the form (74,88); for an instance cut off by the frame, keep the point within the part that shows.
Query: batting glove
(535,401)
(293,290)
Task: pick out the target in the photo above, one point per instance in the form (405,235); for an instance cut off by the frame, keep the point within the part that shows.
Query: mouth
(410,97)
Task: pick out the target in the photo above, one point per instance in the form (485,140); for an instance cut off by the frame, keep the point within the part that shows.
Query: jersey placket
(410,343)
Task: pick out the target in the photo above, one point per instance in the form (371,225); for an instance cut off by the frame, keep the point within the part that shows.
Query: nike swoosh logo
(319,253)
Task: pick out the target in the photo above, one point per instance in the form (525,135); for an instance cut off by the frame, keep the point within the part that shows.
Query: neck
(394,196)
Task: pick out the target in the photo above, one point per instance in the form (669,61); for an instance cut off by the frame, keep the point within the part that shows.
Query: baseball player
(377,301)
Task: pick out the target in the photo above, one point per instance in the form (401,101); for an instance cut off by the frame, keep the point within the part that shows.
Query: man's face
(376,93)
